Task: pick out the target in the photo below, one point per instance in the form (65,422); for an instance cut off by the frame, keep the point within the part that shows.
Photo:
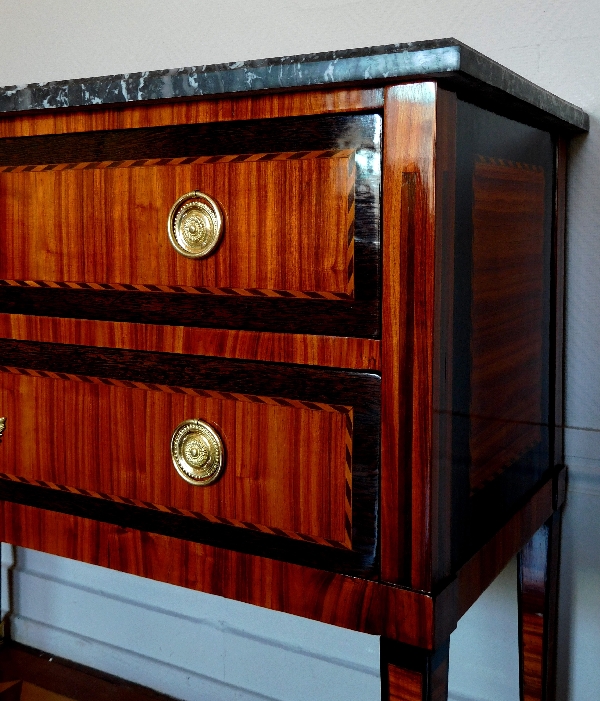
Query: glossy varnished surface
(408,222)
(417,118)
(397,613)
(503,371)
(355,353)
(85,216)
(507,314)
(361,473)
(115,441)
(218,312)
(404,684)
(349,602)
(106,417)
(286,227)
(480,571)
(231,311)
(409,674)
(227,109)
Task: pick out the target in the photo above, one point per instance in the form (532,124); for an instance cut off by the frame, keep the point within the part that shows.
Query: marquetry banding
(227,291)
(489,160)
(173,510)
(190,160)
(227,396)
(129,384)
(232,158)
(351,219)
(348,475)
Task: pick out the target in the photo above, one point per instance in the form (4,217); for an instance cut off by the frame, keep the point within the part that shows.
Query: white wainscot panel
(184,643)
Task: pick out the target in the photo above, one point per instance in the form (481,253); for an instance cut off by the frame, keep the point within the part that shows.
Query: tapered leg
(412,674)
(538,599)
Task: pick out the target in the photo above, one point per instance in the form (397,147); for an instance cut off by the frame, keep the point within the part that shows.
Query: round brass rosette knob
(197,452)
(195,225)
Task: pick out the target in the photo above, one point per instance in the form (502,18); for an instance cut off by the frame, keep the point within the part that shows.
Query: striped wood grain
(327,351)
(286,223)
(113,438)
(507,315)
(404,684)
(350,602)
(195,111)
(408,319)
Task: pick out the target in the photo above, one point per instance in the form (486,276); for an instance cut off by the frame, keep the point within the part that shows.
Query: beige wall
(554,43)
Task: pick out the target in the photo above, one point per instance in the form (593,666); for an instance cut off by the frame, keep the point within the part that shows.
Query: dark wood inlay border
(179,289)
(325,317)
(188,160)
(210,518)
(224,396)
(294,386)
(351,313)
(170,389)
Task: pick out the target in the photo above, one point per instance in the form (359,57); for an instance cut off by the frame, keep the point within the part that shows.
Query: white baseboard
(189,645)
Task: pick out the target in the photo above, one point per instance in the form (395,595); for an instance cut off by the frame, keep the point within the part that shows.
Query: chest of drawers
(349,408)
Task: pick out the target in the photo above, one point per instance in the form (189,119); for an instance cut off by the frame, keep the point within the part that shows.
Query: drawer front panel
(301,474)
(86,215)
(287,224)
(115,441)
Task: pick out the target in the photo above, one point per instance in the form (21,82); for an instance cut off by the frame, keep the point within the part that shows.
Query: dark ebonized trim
(285,315)
(431,665)
(475,517)
(491,507)
(306,383)
(242,540)
(323,132)
(409,657)
(361,390)
(359,317)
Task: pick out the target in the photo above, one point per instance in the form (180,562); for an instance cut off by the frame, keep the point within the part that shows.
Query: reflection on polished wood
(116,441)
(376,483)
(193,112)
(287,225)
(419,121)
(406,370)
(328,351)
(507,316)
(350,602)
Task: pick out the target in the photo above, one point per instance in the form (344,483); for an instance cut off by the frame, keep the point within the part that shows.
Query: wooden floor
(46,677)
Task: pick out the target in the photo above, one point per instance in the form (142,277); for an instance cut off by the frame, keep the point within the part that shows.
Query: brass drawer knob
(195,225)
(2,426)
(197,452)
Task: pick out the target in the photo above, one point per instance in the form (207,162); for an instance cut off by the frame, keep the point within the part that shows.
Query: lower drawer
(91,429)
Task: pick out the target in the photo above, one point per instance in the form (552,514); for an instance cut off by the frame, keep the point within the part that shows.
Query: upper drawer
(84,224)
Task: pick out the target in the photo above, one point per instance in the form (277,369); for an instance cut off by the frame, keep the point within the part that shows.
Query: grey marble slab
(448,60)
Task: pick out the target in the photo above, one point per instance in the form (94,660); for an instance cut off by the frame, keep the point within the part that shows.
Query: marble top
(447,60)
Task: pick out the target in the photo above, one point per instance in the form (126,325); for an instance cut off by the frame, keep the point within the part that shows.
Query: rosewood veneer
(376,338)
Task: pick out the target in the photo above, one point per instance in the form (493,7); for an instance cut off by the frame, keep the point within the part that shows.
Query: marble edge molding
(443,58)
